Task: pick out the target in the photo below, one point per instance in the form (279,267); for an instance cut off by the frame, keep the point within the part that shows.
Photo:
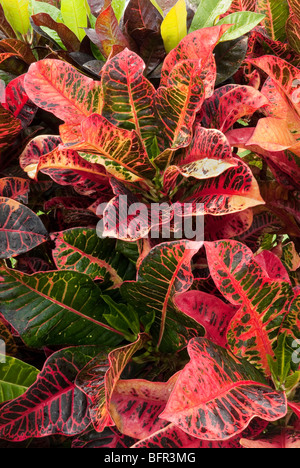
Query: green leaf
(276,15)
(242,21)
(174,27)
(75,16)
(124,318)
(15,377)
(55,308)
(118,7)
(17,14)
(207,12)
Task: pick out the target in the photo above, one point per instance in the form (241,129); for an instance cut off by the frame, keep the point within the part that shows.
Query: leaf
(82,250)
(171,437)
(208,310)
(110,143)
(208,155)
(20,228)
(263,301)
(178,102)
(10,127)
(128,97)
(65,36)
(109,32)
(15,188)
(272,265)
(15,378)
(53,404)
(174,25)
(207,13)
(66,167)
(276,14)
(17,14)
(140,17)
(243,21)
(287,439)
(67,308)
(37,147)
(74,14)
(198,45)
(229,56)
(166,270)
(292,32)
(130,397)
(18,103)
(214,385)
(58,87)
(18,48)
(99,378)
(5,27)
(234,190)
(229,103)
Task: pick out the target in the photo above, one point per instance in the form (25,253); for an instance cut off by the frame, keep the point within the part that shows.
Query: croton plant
(119,330)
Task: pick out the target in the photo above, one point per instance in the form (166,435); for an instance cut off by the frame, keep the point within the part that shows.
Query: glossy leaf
(20,228)
(15,188)
(75,14)
(59,316)
(166,270)
(172,437)
(15,378)
(66,37)
(54,405)
(215,384)
(263,301)
(178,102)
(10,127)
(17,14)
(229,103)
(198,45)
(18,103)
(130,396)
(234,190)
(276,15)
(174,26)
(99,378)
(82,250)
(18,48)
(110,145)
(292,32)
(109,32)
(207,13)
(242,21)
(208,155)
(128,97)
(58,87)
(208,310)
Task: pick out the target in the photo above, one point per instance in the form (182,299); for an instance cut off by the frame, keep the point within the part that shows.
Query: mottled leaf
(58,87)
(109,32)
(263,301)
(53,404)
(216,395)
(20,228)
(15,188)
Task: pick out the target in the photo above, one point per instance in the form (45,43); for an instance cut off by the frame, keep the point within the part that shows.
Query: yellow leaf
(173,27)
(17,14)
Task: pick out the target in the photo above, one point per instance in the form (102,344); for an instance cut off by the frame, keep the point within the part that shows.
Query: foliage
(114,118)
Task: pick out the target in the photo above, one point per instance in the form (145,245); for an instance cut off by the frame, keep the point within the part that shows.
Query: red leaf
(53,404)
(58,87)
(109,32)
(10,127)
(212,313)
(216,395)
(15,188)
(198,45)
(273,266)
(18,103)
(263,301)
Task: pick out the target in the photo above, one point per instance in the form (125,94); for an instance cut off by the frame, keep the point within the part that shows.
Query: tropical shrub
(118,328)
